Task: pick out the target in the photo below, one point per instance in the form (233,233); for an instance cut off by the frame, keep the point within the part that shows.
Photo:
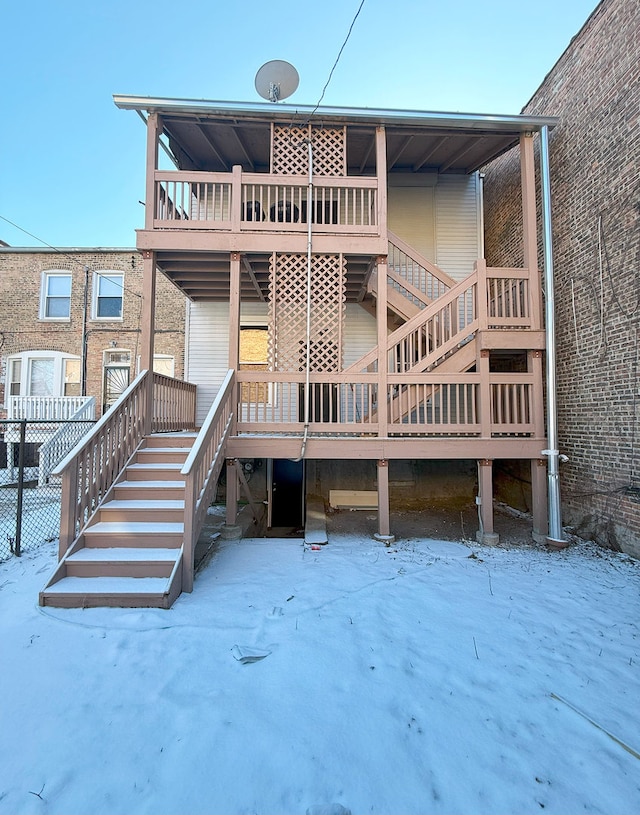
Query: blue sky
(72,164)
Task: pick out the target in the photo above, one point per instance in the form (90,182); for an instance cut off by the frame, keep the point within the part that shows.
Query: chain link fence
(29,495)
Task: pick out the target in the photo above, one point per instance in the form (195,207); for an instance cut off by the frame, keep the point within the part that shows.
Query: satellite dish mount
(276,80)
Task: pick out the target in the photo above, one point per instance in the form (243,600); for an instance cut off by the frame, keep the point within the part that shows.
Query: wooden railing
(444,404)
(92,467)
(202,468)
(260,202)
(508,298)
(413,275)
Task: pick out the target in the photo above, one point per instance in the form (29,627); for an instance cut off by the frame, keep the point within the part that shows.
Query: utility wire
(335,64)
(66,255)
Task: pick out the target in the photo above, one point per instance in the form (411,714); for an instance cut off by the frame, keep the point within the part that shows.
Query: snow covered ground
(429,677)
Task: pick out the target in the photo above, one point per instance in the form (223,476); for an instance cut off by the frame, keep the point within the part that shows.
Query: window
(254,356)
(108,288)
(56,296)
(15,376)
(41,373)
(71,377)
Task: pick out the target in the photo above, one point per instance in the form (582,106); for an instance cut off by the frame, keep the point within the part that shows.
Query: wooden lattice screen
(288,324)
(290,156)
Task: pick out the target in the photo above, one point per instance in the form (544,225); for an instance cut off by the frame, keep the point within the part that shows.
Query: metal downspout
(307,387)
(553,454)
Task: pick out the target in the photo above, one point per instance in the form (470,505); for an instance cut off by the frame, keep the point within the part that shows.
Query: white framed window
(71,377)
(108,290)
(14,377)
(42,374)
(55,298)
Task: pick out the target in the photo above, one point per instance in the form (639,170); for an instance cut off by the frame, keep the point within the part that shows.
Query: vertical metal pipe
(555,517)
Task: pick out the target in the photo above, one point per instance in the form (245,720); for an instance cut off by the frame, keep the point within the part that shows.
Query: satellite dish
(276,80)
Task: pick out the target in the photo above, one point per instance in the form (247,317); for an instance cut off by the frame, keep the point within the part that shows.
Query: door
(286,493)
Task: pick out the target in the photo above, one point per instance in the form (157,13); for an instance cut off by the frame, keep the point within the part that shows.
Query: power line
(67,255)
(335,64)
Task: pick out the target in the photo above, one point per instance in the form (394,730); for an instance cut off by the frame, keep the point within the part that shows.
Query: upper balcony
(247,210)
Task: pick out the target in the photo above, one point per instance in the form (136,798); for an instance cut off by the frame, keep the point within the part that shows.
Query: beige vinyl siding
(457,224)
(410,213)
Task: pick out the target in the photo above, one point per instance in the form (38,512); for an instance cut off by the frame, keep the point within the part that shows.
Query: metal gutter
(377,116)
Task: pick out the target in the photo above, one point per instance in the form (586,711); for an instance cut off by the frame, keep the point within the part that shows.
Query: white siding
(457,224)
(359,334)
(208,352)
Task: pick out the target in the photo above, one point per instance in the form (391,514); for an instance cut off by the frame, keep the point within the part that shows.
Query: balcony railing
(50,408)
(258,202)
(445,404)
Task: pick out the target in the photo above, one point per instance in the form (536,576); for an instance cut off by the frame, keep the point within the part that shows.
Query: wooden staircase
(131,553)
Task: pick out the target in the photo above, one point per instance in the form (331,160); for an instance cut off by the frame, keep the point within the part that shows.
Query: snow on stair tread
(112,585)
(144,503)
(135,527)
(156,485)
(164,465)
(124,553)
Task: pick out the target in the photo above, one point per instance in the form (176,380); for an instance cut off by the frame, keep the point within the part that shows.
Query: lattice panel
(288,329)
(289,153)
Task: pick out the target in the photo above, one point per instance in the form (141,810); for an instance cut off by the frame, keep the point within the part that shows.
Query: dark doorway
(286,493)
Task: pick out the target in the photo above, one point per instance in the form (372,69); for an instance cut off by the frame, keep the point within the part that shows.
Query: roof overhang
(213,135)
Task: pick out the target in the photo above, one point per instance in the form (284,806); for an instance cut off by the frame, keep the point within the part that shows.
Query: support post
(485,503)
(147,318)
(383,363)
(154,129)
(530,232)
(231,531)
(539,499)
(234,310)
(384,529)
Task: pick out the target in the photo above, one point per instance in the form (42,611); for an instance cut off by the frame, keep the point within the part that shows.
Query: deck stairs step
(131,555)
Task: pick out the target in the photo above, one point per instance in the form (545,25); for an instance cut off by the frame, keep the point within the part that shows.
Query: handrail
(202,468)
(454,330)
(396,244)
(91,468)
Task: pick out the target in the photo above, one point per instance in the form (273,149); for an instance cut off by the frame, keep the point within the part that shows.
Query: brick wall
(595,184)
(22,330)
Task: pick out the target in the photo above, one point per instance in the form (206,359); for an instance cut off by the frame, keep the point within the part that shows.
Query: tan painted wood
(530,231)
(234,311)
(383,367)
(154,129)
(539,497)
(147,317)
(383,498)
(485,491)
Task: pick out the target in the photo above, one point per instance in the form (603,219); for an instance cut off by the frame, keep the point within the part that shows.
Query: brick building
(51,299)
(595,184)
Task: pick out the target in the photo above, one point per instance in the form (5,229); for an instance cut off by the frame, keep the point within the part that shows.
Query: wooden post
(147,317)
(381,173)
(236,198)
(154,129)
(482,364)
(384,529)
(535,363)
(485,493)
(383,364)
(234,310)
(232,492)
(68,507)
(530,232)
(539,499)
